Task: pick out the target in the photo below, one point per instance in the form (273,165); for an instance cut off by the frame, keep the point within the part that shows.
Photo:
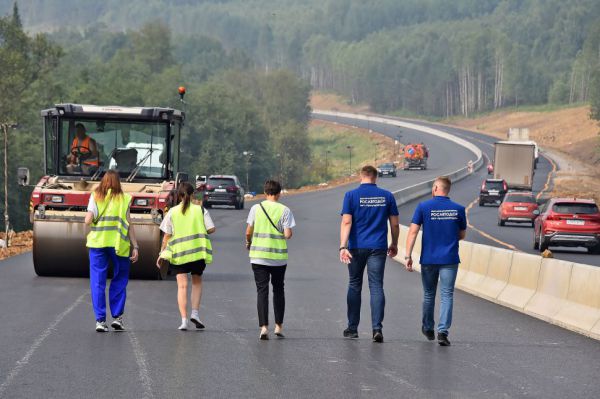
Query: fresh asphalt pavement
(49,347)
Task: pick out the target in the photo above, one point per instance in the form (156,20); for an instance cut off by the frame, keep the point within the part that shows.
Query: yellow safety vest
(189,242)
(111,230)
(267,241)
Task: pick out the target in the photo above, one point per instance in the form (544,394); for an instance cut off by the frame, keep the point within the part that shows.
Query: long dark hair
(184,194)
(111,180)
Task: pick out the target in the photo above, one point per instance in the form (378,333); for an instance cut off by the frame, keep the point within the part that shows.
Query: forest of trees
(426,57)
(231,107)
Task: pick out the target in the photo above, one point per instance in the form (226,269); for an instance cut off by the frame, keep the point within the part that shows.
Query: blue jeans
(447,277)
(374,261)
(117,293)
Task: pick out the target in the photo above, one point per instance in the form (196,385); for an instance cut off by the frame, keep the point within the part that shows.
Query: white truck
(521,134)
(514,161)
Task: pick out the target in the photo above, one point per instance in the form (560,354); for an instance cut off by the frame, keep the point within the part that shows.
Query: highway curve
(485,229)
(484,219)
(49,348)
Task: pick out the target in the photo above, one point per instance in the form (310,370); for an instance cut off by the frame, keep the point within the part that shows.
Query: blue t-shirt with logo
(441,220)
(370,207)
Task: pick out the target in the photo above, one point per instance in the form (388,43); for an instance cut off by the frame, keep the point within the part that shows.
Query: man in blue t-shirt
(444,225)
(366,212)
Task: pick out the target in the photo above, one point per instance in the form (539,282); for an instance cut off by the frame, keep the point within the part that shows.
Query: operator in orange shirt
(84,152)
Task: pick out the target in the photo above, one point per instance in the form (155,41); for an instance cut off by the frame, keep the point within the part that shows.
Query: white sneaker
(183,326)
(117,324)
(101,326)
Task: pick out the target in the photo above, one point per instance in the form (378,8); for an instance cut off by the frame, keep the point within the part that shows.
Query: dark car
(568,222)
(223,190)
(387,169)
(517,207)
(492,191)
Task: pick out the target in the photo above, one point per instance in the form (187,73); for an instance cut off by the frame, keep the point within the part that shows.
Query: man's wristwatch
(342,248)
(407,257)
(136,247)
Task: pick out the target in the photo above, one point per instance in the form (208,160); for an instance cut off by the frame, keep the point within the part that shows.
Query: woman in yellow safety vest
(269,226)
(188,249)
(110,238)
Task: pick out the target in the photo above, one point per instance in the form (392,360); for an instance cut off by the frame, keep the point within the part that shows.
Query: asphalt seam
(24,361)
(142,363)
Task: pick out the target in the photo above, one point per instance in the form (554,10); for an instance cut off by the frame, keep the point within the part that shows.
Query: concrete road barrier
(478,267)
(498,272)
(581,309)
(465,249)
(522,282)
(552,289)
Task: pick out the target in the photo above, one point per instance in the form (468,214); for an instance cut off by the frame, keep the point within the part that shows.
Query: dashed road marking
(483,233)
(24,361)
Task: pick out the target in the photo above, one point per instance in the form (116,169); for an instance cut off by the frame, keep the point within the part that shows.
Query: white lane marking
(142,363)
(36,345)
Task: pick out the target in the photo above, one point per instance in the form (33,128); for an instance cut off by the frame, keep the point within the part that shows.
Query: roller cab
(81,143)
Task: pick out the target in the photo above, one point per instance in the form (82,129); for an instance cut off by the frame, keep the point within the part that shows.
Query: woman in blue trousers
(110,239)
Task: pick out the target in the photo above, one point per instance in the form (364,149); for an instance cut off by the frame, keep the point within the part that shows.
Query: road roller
(81,142)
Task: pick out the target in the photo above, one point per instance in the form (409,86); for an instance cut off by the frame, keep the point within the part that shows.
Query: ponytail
(184,194)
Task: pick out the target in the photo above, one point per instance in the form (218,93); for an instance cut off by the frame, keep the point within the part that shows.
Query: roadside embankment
(19,243)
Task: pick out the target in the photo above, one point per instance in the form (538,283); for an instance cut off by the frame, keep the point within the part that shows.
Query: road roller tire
(59,250)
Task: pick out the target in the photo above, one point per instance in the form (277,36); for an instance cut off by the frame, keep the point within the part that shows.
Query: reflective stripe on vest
(189,242)
(268,242)
(111,230)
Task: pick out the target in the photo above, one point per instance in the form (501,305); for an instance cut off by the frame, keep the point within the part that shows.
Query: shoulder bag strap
(268,217)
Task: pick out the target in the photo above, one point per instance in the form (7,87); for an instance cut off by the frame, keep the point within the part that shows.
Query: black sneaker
(377,336)
(443,339)
(348,333)
(428,333)
(199,325)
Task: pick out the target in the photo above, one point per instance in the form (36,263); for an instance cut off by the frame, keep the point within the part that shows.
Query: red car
(568,222)
(517,207)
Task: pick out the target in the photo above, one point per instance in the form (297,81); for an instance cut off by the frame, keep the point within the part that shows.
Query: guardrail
(563,293)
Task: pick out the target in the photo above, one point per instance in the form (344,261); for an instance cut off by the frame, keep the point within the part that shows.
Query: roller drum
(59,250)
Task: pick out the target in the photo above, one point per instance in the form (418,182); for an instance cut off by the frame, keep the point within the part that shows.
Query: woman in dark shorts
(188,249)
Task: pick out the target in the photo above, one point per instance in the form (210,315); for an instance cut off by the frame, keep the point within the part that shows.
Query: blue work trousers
(117,293)
(374,261)
(430,274)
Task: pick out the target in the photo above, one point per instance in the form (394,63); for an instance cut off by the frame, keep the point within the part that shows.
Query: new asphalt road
(446,158)
(50,350)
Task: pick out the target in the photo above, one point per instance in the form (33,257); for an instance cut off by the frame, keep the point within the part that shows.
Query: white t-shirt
(287,221)
(167,224)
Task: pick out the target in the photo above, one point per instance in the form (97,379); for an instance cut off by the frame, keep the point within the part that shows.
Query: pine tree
(16,16)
